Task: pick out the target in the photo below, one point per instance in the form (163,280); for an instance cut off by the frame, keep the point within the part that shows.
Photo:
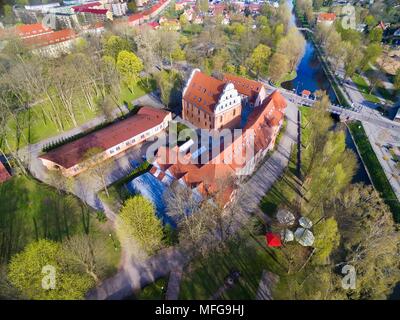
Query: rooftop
(74,152)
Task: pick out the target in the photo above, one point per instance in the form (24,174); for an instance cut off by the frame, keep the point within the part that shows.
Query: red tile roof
(28,30)
(306,92)
(326,16)
(204,91)
(72,153)
(50,38)
(244,86)
(4,175)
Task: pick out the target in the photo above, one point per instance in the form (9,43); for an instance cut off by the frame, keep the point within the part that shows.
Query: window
(118,148)
(234,112)
(112,151)
(142,136)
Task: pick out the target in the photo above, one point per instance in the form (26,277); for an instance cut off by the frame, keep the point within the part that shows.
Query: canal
(311,76)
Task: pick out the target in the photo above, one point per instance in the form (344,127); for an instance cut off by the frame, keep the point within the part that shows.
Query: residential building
(4,174)
(52,44)
(210,103)
(71,158)
(326,18)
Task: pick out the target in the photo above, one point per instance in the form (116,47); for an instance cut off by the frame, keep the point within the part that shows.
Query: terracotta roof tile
(244,86)
(47,39)
(204,91)
(72,153)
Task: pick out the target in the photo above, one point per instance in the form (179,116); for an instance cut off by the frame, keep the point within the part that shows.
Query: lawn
(290,76)
(378,176)
(364,89)
(154,291)
(250,256)
(36,126)
(142,88)
(30,210)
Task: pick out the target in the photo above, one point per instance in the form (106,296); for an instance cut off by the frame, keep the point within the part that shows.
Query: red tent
(273,240)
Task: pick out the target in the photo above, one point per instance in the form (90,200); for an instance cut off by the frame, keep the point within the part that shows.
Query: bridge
(305,29)
(345,114)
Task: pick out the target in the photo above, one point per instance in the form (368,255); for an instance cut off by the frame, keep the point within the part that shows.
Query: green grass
(141,89)
(290,76)
(36,126)
(250,258)
(378,176)
(30,210)
(364,89)
(154,291)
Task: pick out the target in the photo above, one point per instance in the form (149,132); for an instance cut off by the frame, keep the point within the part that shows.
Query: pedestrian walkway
(174,283)
(268,280)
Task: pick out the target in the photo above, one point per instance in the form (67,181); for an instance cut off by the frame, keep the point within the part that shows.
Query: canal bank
(312,76)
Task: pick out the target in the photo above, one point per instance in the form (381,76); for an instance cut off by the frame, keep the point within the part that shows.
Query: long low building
(77,156)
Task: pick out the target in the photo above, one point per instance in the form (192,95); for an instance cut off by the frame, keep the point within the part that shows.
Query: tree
(375,35)
(259,59)
(370,241)
(132,6)
(86,252)
(129,66)
(396,83)
(202,5)
(278,66)
(352,58)
(94,160)
(137,220)
(170,85)
(293,46)
(326,240)
(114,45)
(370,21)
(371,53)
(27,273)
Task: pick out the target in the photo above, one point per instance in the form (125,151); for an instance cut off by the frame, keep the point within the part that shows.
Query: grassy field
(30,210)
(154,291)
(364,89)
(36,126)
(378,176)
(250,257)
(142,88)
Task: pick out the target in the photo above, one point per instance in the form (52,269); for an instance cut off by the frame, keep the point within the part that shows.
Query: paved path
(174,283)
(268,280)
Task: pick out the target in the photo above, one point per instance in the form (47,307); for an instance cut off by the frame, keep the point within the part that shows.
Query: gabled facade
(209,103)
